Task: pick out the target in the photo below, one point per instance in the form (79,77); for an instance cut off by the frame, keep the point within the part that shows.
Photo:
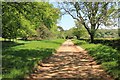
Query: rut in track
(70,62)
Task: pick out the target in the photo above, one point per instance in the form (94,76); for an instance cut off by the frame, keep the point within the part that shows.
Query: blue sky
(66,21)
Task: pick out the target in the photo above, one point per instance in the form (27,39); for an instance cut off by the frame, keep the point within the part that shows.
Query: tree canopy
(91,14)
(78,31)
(22,19)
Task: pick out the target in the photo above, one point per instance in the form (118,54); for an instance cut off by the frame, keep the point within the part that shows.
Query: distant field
(19,58)
(106,53)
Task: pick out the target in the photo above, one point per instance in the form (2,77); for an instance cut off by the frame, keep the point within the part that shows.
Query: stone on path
(70,62)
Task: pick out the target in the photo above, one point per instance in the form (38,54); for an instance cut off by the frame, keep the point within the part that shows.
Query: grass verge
(19,58)
(105,55)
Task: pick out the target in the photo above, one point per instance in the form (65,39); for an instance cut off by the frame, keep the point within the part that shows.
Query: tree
(76,32)
(80,31)
(68,33)
(61,32)
(60,28)
(43,32)
(119,32)
(22,19)
(90,14)
(119,21)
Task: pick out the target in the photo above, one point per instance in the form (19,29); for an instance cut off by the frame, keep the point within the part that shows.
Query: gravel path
(69,63)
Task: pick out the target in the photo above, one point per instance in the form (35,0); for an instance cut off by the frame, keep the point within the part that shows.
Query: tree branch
(102,13)
(69,13)
(97,26)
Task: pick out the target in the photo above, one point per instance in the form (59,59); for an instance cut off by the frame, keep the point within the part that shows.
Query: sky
(66,21)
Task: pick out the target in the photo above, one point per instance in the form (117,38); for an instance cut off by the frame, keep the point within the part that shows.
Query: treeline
(35,20)
(107,33)
(79,32)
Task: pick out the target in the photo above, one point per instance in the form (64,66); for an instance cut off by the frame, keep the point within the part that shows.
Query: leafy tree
(22,19)
(119,21)
(60,32)
(69,33)
(119,32)
(90,14)
(106,33)
(43,32)
(60,28)
(80,31)
(75,32)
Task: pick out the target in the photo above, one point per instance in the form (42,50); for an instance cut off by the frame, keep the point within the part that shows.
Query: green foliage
(27,28)
(90,14)
(113,42)
(19,58)
(21,19)
(119,32)
(106,33)
(43,33)
(78,31)
(69,33)
(105,55)
(60,33)
(112,69)
(79,42)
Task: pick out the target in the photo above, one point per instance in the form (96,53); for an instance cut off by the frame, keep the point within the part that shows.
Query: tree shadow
(17,63)
(55,42)
(63,69)
(8,44)
(88,76)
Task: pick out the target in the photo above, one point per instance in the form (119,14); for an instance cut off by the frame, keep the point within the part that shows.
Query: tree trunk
(92,38)
(5,39)
(9,39)
(119,32)
(77,37)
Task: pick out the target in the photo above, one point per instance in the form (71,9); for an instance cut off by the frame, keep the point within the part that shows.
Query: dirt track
(70,62)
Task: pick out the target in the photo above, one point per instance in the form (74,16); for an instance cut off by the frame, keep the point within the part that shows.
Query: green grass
(112,42)
(19,58)
(105,55)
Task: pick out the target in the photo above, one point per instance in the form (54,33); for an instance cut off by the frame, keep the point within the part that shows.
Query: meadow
(20,57)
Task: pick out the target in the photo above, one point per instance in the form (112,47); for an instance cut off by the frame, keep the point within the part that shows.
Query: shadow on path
(70,62)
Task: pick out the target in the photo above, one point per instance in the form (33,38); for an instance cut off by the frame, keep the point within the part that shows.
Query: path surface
(70,62)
